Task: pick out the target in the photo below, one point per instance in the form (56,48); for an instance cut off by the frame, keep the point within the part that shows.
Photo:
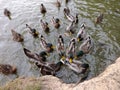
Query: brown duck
(42,9)
(7,13)
(7,69)
(16,36)
(46,68)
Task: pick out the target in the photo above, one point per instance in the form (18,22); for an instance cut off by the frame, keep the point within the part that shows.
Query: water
(106,35)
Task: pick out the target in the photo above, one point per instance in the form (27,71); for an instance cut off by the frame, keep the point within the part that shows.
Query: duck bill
(70,60)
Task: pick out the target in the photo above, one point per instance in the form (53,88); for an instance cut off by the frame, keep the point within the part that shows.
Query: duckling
(58,4)
(45,26)
(48,46)
(7,13)
(46,67)
(41,56)
(71,47)
(16,36)
(43,9)
(81,35)
(99,18)
(7,69)
(86,45)
(56,22)
(33,31)
(70,28)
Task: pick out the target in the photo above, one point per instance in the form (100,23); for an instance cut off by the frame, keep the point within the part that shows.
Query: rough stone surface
(108,80)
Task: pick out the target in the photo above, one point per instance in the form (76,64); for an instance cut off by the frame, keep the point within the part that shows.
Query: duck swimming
(48,46)
(99,18)
(16,36)
(81,35)
(58,4)
(46,68)
(42,55)
(45,26)
(70,28)
(86,45)
(7,13)
(71,47)
(56,22)
(7,69)
(75,65)
(43,9)
(33,31)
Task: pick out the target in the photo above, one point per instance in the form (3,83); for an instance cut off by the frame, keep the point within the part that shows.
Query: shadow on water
(106,35)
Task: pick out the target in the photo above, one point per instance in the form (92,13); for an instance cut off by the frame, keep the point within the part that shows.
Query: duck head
(49,47)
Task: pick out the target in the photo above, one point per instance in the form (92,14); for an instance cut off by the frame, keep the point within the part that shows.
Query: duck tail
(9,17)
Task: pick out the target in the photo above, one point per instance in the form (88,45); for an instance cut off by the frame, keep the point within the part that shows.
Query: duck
(75,65)
(70,28)
(46,68)
(58,4)
(7,13)
(43,9)
(87,45)
(33,31)
(99,18)
(54,67)
(60,46)
(81,35)
(16,36)
(42,55)
(56,22)
(66,10)
(71,47)
(47,46)
(45,26)
(7,69)
(70,17)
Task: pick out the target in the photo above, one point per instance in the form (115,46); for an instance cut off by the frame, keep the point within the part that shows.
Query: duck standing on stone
(7,13)
(45,26)
(33,31)
(42,9)
(16,36)
(7,69)
(56,22)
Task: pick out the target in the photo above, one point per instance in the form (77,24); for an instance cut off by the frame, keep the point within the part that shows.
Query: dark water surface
(106,36)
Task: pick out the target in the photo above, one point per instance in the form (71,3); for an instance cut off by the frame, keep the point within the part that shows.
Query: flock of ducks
(67,56)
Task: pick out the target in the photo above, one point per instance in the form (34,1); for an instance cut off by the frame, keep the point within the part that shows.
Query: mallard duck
(7,69)
(75,65)
(81,35)
(33,31)
(43,9)
(48,46)
(16,36)
(56,22)
(58,4)
(69,16)
(41,56)
(99,18)
(46,68)
(66,11)
(54,67)
(45,26)
(71,47)
(60,45)
(86,45)
(70,28)
(7,13)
